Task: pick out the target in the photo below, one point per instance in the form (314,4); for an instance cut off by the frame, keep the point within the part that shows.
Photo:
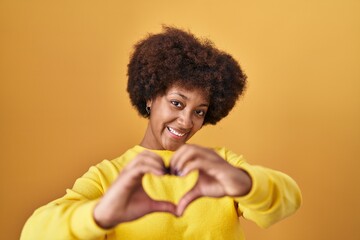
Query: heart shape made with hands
(169,188)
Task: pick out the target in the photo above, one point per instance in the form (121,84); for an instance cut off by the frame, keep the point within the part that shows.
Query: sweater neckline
(141,148)
(165,154)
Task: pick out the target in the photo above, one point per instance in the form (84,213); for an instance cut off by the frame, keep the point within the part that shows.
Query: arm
(263,195)
(273,197)
(70,217)
(93,208)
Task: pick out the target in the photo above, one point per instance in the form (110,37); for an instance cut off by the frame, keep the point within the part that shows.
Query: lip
(176,133)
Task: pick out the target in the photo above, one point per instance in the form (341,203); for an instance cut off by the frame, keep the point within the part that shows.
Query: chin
(173,147)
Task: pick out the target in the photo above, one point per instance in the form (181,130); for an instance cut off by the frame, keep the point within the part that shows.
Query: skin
(181,111)
(175,117)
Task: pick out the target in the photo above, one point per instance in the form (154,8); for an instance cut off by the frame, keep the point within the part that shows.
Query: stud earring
(147,110)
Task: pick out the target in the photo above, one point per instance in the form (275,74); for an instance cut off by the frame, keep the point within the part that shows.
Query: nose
(185,120)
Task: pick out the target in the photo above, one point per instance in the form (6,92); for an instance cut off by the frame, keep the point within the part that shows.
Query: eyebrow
(186,98)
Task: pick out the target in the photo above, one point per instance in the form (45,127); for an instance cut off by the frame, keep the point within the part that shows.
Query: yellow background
(64,105)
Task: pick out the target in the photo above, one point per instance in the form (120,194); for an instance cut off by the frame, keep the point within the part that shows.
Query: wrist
(246,182)
(102,218)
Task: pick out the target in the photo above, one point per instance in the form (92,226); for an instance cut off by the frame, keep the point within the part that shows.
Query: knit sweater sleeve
(71,217)
(273,197)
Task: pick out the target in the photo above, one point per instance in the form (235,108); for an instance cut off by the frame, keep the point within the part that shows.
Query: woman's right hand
(126,199)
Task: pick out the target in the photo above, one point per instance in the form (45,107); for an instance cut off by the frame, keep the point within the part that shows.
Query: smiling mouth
(176,133)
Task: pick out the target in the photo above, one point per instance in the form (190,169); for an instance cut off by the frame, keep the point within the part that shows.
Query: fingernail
(167,170)
(178,214)
(179,173)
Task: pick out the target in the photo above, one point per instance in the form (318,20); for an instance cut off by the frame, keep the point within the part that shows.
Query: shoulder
(230,156)
(125,158)
(108,170)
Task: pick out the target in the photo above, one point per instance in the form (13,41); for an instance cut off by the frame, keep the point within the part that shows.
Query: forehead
(188,93)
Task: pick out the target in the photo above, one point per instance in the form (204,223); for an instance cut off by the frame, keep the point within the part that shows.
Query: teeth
(175,132)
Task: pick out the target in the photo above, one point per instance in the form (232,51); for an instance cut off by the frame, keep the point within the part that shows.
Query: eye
(200,113)
(176,103)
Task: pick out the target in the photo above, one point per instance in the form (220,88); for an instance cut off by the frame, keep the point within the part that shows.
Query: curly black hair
(175,56)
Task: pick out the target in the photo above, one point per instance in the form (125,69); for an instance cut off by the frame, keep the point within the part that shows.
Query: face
(174,118)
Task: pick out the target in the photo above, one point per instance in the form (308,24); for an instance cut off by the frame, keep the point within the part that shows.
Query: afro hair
(177,57)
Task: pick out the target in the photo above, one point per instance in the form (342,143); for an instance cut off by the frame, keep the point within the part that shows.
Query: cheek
(162,117)
(198,124)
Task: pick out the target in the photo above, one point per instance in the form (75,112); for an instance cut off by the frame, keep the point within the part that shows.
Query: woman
(164,188)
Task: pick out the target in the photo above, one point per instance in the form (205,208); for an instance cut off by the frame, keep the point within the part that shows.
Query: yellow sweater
(273,197)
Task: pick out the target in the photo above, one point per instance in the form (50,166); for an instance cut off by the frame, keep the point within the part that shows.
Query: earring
(147,110)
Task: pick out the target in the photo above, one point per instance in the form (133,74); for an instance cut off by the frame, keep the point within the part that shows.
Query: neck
(149,140)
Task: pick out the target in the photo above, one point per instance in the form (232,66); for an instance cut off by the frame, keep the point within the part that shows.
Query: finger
(194,153)
(133,175)
(182,156)
(188,198)
(138,171)
(178,154)
(163,206)
(195,164)
(210,168)
(154,156)
(147,158)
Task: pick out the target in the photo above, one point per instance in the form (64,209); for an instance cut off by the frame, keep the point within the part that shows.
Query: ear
(149,103)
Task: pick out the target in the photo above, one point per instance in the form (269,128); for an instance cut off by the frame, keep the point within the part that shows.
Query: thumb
(188,198)
(163,206)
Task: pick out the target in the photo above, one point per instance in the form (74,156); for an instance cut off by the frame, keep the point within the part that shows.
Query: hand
(126,199)
(217,178)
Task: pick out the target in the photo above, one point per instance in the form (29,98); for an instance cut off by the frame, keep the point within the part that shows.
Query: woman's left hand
(217,178)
